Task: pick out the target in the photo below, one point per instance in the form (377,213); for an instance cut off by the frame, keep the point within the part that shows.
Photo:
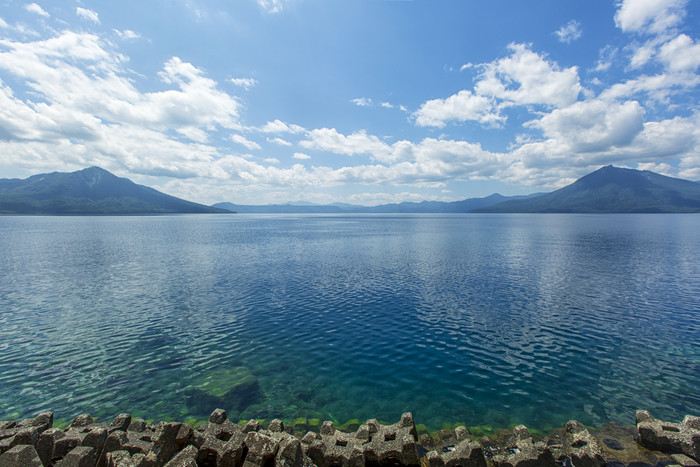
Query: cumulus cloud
(522,78)
(359,142)
(592,126)
(680,54)
(526,77)
(280,141)
(569,32)
(127,34)
(301,156)
(272,6)
(84,109)
(34,8)
(87,14)
(654,16)
(362,102)
(251,145)
(245,83)
(461,107)
(278,126)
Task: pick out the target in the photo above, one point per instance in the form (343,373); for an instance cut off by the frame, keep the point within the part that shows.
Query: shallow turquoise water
(477,319)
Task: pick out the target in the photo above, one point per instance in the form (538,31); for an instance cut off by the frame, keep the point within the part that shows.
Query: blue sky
(362,101)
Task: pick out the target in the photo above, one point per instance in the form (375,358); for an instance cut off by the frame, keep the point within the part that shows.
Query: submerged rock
(234,388)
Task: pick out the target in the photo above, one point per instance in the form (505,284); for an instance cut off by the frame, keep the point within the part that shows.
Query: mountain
(422,207)
(613,190)
(89,191)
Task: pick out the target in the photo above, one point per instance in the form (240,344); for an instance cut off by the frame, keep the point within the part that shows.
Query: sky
(356,101)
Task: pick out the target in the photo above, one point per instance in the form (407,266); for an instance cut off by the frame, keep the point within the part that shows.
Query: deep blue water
(475,319)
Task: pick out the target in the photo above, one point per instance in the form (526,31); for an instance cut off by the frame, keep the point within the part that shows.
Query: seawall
(127,442)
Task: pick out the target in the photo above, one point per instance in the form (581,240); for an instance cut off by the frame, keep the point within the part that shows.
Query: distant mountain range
(89,191)
(466,205)
(612,190)
(607,190)
(97,191)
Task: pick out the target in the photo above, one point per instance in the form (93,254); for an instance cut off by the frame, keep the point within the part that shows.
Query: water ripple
(483,320)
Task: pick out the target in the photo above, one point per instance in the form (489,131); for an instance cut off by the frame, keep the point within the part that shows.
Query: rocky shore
(125,442)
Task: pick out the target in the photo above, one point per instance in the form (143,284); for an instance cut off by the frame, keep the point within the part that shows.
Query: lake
(484,320)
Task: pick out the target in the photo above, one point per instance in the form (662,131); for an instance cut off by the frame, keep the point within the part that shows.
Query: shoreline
(127,442)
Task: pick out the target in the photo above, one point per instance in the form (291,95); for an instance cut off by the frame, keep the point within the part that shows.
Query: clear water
(477,319)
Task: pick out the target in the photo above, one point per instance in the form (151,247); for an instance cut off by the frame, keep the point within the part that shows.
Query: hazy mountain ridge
(463,206)
(613,190)
(89,191)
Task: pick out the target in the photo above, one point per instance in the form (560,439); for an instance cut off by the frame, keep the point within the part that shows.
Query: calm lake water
(475,319)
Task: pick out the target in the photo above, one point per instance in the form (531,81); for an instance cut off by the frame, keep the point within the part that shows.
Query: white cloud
(569,32)
(642,55)
(658,88)
(87,14)
(301,156)
(245,83)
(606,57)
(34,8)
(362,102)
(359,142)
(653,16)
(272,6)
(279,141)
(3,24)
(84,110)
(592,126)
(386,105)
(680,54)
(526,77)
(462,106)
(278,126)
(251,145)
(127,34)
(523,78)
(271,160)
(663,168)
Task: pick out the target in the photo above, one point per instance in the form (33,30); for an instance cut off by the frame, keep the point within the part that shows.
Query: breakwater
(127,442)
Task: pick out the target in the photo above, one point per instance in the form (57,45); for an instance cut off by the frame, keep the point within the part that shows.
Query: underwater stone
(235,388)
(21,456)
